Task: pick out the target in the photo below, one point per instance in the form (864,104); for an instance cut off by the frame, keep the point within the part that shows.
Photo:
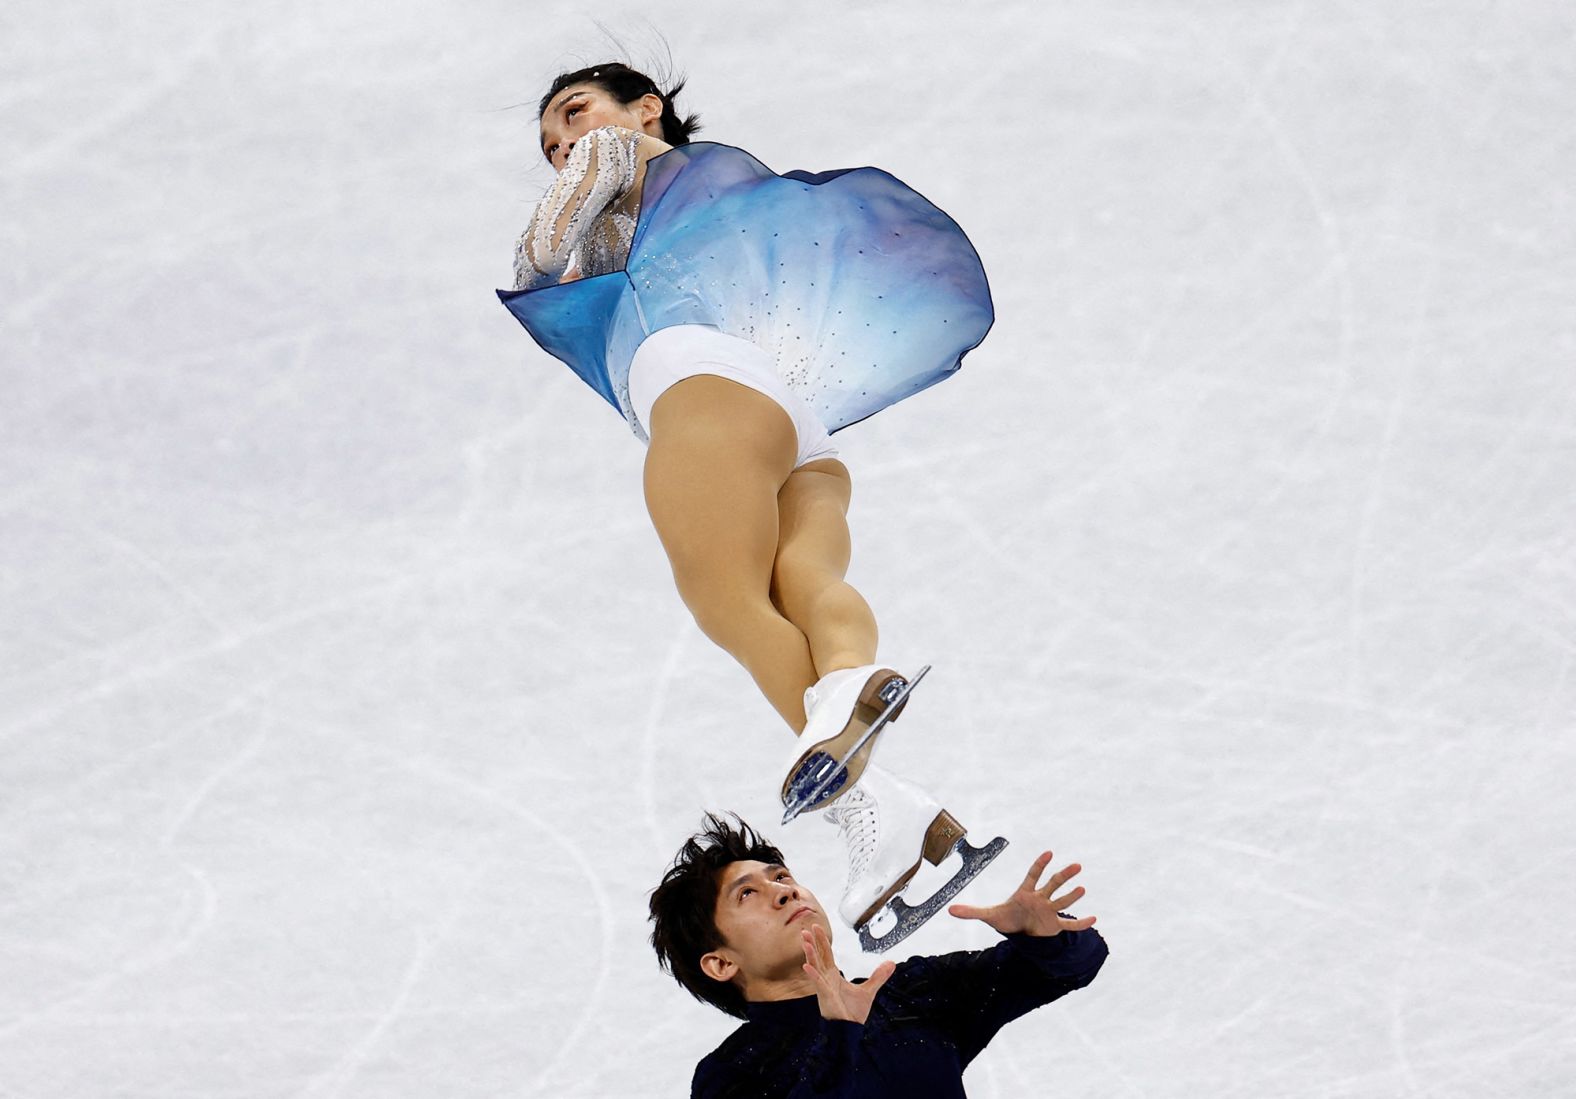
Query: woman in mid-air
(735,318)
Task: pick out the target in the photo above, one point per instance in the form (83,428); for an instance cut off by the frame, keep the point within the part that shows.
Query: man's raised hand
(1032,909)
(837,998)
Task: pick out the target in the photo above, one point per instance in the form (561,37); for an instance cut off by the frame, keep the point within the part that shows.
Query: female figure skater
(735,317)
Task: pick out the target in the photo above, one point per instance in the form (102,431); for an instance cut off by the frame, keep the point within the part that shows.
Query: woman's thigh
(813,542)
(719,454)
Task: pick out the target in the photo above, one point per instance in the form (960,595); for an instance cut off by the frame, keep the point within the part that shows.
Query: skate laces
(855,815)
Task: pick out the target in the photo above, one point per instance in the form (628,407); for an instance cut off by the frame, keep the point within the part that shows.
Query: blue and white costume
(857,289)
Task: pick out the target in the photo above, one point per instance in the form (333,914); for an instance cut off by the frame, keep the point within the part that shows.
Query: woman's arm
(608,166)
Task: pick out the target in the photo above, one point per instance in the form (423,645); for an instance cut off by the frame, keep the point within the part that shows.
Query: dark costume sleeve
(985,990)
(932,1018)
(827,1070)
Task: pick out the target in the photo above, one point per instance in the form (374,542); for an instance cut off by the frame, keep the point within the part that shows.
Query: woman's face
(581,108)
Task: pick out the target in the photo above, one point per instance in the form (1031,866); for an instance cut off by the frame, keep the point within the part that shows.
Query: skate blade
(833,765)
(941,836)
(911,917)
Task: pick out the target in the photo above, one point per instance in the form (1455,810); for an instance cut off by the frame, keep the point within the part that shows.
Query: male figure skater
(735,929)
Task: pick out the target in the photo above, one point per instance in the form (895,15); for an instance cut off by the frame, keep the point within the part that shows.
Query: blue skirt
(860,289)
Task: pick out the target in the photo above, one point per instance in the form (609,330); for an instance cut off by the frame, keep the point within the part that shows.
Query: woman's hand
(1032,909)
(839,999)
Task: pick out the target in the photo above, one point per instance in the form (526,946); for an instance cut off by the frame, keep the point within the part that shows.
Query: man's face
(761,912)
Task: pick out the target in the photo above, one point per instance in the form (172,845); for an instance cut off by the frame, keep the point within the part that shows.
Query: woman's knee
(728,618)
(799,579)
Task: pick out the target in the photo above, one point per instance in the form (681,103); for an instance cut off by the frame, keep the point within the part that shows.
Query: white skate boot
(889,826)
(844,713)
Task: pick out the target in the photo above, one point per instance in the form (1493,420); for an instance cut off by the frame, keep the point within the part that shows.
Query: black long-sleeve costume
(931,1018)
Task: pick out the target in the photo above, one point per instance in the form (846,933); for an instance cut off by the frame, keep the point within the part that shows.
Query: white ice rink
(347,711)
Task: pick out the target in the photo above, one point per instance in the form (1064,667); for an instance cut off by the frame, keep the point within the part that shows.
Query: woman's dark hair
(684,906)
(627,85)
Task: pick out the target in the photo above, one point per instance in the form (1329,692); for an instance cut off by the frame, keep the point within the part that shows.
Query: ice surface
(347,712)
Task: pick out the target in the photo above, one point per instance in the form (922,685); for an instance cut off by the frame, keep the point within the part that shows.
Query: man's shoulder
(747,1057)
(752,1043)
(733,1044)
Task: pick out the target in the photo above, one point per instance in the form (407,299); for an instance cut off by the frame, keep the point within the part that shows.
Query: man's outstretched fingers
(878,976)
(809,954)
(1068,898)
(1032,878)
(823,945)
(969,912)
(814,951)
(814,960)
(1060,878)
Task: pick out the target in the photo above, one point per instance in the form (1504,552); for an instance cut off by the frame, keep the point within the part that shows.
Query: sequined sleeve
(569,222)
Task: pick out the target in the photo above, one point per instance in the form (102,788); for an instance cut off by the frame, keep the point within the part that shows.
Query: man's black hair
(684,906)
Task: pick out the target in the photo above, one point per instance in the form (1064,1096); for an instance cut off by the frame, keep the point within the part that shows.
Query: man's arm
(1047,954)
(979,992)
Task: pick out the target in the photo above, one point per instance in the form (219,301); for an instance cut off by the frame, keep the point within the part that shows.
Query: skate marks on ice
(1262,481)
(548,836)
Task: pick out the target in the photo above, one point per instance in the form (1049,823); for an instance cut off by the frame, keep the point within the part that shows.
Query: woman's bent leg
(813,550)
(719,453)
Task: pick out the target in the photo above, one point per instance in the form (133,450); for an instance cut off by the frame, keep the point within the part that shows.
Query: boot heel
(941,837)
(871,704)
